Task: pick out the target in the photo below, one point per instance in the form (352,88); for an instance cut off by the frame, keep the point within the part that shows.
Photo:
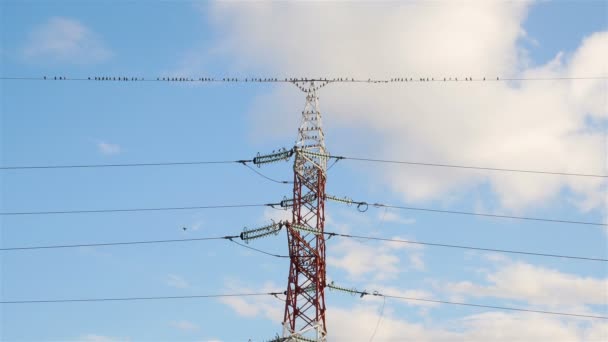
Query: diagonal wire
(124,243)
(491,215)
(329,234)
(379,319)
(465,247)
(470,167)
(378,294)
(495,307)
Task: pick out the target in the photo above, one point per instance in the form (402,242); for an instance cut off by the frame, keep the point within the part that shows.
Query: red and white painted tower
(305,303)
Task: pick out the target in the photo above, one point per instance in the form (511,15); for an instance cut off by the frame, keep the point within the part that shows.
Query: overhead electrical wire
(335,157)
(456,166)
(495,307)
(103,211)
(232,238)
(89,166)
(360,205)
(276,293)
(469,167)
(491,215)
(465,247)
(123,243)
(379,294)
(122,299)
(363,206)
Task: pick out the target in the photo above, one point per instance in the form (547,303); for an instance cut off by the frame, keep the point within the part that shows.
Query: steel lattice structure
(305,303)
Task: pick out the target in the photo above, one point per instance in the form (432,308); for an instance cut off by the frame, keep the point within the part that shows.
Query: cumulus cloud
(108,149)
(254,307)
(527,125)
(373,261)
(535,285)
(65,40)
(358,322)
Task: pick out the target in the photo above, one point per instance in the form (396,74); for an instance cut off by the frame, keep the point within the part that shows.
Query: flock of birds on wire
(306,85)
(273,80)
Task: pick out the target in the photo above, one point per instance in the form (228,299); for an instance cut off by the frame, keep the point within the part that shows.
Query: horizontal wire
(117,299)
(379,294)
(274,294)
(118,243)
(470,167)
(99,211)
(465,247)
(494,307)
(490,215)
(335,157)
(34,167)
(330,234)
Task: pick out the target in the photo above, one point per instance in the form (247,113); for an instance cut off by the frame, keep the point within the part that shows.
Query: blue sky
(555,125)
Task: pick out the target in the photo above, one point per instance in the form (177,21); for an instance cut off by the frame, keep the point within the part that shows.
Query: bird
(184,228)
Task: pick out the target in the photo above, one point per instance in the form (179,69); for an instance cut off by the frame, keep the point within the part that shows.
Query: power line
(124,243)
(100,211)
(494,307)
(378,294)
(82,166)
(491,215)
(362,206)
(335,157)
(465,247)
(276,293)
(232,238)
(122,299)
(470,167)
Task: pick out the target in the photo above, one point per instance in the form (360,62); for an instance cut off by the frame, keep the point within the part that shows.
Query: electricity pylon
(304,318)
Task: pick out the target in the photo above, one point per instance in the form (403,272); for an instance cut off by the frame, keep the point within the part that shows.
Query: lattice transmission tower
(305,303)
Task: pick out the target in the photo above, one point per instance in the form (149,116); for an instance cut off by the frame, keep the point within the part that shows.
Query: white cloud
(108,149)
(184,325)
(532,125)
(65,40)
(255,307)
(357,322)
(535,285)
(101,338)
(375,261)
(177,281)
